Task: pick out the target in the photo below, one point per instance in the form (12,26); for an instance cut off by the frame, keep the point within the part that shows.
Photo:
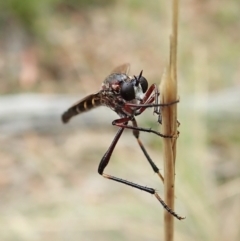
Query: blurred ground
(49,184)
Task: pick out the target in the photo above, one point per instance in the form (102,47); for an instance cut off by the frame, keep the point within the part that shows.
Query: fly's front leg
(157,109)
(151,99)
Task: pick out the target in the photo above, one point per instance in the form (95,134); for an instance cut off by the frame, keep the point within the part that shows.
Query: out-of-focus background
(52,53)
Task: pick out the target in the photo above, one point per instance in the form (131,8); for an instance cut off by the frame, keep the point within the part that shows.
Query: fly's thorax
(113,82)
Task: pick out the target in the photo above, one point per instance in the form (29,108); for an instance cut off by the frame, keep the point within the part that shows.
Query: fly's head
(125,87)
(134,88)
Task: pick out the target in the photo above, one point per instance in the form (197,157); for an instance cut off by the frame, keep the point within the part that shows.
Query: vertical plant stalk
(168,93)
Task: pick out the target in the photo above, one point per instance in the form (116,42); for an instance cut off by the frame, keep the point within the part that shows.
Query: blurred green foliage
(28,12)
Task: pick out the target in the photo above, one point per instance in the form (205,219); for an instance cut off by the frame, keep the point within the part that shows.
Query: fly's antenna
(138,78)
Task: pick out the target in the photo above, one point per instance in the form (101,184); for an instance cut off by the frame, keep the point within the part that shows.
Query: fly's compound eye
(127,91)
(144,84)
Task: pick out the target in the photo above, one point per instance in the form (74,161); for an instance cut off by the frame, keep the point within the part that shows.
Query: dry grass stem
(168,93)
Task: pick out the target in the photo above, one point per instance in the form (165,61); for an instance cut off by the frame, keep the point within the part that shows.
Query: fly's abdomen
(86,104)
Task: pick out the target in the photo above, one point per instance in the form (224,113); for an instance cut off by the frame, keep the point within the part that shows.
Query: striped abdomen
(87,103)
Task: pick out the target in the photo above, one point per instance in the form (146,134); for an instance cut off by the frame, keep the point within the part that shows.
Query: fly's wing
(122,69)
(85,104)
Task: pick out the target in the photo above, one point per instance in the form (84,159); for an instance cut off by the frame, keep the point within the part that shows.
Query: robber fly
(128,96)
